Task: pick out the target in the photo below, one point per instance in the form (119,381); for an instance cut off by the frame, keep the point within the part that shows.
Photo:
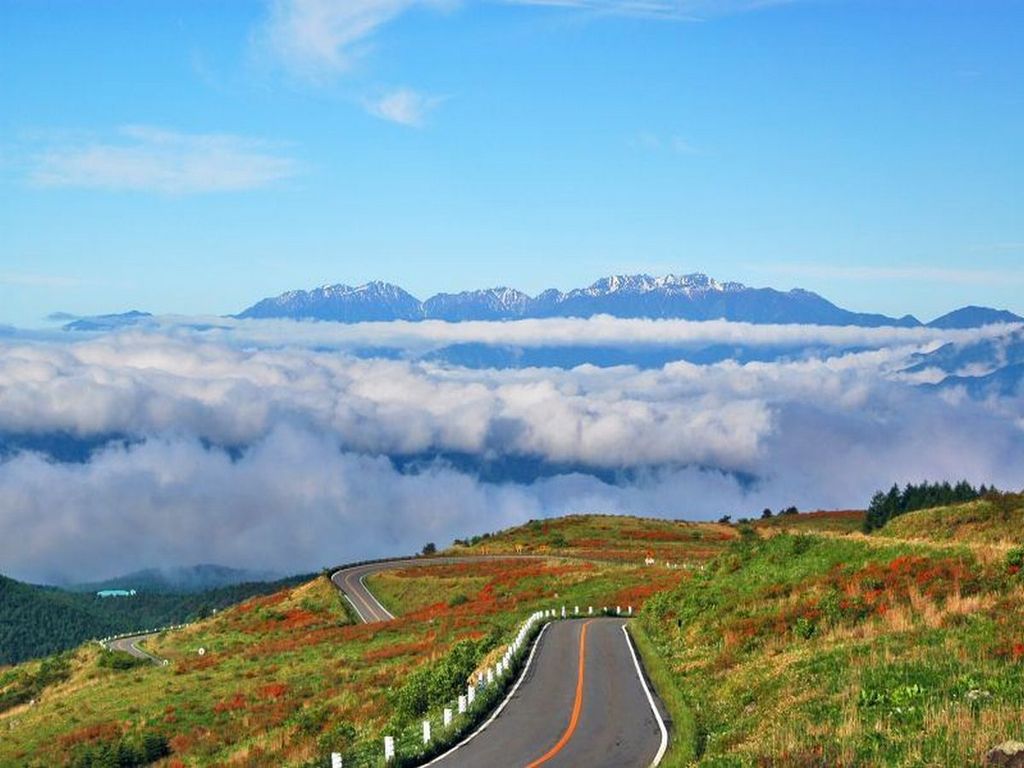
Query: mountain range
(180,579)
(686,297)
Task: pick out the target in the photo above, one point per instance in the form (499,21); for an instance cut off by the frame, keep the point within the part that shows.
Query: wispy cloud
(155,159)
(404,106)
(319,39)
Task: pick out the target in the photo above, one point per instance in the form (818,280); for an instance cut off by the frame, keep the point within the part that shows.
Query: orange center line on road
(577,706)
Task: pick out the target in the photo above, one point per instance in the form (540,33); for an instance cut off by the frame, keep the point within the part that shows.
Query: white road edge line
(373,597)
(345,594)
(650,699)
(504,703)
(355,607)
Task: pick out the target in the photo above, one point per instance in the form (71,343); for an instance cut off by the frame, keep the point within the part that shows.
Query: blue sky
(194,157)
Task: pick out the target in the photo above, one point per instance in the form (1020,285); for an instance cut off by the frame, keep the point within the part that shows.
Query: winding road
(582,699)
(130,645)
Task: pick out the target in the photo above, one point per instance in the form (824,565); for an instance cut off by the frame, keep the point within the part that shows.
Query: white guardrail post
(336,761)
(480,680)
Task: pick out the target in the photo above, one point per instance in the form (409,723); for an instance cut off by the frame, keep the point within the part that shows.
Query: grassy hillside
(287,677)
(994,519)
(796,641)
(847,521)
(817,650)
(606,537)
(38,621)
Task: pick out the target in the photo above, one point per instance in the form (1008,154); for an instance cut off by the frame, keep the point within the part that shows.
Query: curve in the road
(130,645)
(581,699)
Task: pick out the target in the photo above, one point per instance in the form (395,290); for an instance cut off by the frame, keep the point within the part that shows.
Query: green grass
(606,537)
(683,734)
(767,648)
(288,677)
(402,594)
(809,650)
(991,520)
(815,522)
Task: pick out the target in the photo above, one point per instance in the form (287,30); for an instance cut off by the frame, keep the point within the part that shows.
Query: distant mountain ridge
(694,296)
(974,317)
(196,578)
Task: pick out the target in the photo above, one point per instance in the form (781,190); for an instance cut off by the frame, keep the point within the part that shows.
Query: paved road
(581,703)
(130,645)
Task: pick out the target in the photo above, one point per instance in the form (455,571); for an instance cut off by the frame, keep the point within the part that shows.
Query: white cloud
(305,476)
(154,159)
(404,106)
(319,39)
(594,331)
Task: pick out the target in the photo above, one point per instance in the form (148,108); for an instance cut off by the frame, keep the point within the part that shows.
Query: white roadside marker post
(490,675)
(470,695)
(447,717)
(590,611)
(462,705)
(577,611)
(618,610)
(426,731)
(336,760)
(389,748)
(630,610)
(563,611)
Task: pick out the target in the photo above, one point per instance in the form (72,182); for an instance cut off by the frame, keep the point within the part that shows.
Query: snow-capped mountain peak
(692,296)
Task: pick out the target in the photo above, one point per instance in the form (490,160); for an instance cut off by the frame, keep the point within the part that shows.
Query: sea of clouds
(271,445)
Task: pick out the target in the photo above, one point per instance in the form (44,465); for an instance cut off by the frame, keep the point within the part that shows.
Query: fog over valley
(284,445)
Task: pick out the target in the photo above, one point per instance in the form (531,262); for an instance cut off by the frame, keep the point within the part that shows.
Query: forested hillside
(38,621)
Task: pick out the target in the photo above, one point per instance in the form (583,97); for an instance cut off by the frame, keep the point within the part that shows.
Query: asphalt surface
(566,711)
(556,721)
(580,702)
(130,645)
